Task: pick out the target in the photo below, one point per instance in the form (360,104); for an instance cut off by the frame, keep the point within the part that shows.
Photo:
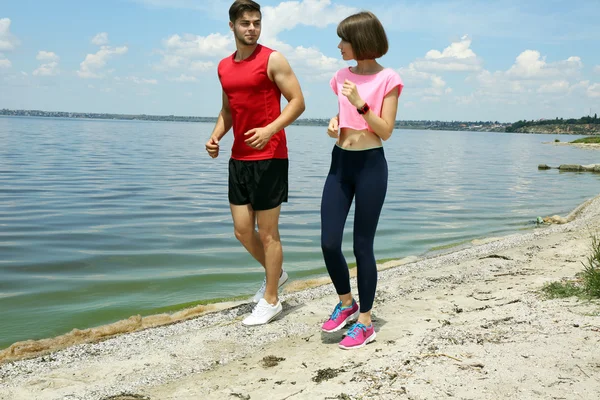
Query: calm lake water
(101,220)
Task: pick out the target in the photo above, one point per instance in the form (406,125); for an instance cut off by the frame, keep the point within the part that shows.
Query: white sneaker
(263,313)
(261,292)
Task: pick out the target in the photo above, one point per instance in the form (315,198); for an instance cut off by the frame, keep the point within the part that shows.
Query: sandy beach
(467,324)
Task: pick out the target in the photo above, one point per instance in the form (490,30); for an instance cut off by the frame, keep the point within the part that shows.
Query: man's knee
(268,226)
(268,236)
(243,234)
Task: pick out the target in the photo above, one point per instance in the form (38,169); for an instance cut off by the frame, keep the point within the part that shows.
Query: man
(253,80)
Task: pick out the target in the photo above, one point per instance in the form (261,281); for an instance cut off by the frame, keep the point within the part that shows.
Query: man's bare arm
(222,126)
(281,73)
(224,121)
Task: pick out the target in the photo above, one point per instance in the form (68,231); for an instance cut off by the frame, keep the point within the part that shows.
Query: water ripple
(104,219)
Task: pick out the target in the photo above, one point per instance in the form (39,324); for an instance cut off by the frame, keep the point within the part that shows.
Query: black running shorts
(263,183)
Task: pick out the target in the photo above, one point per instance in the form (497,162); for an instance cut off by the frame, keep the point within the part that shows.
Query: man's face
(247,28)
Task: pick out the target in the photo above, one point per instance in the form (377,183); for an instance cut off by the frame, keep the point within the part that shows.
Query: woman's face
(346,50)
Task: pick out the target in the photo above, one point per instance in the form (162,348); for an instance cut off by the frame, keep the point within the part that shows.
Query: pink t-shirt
(371,88)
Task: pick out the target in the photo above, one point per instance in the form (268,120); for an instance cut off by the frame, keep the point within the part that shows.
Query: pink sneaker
(358,336)
(340,317)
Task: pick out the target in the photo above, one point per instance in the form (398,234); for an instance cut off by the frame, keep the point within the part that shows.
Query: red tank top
(255,102)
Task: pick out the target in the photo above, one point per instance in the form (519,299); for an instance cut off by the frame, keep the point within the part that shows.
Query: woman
(368,100)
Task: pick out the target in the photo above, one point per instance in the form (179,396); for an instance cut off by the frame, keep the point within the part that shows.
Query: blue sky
(460,60)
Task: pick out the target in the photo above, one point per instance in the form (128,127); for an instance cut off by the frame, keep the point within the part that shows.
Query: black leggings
(363,175)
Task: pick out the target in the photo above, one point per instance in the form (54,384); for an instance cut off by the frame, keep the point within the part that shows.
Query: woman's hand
(351,92)
(333,128)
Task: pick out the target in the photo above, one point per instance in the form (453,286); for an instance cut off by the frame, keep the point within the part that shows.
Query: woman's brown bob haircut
(365,34)
(239,7)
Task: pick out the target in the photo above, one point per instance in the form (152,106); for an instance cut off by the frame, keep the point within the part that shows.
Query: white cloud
(460,50)
(316,60)
(100,39)
(597,69)
(141,81)
(184,79)
(413,77)
(530,77)
(456,57)
(193,53)
(554,87)
(497,82)
(48,69)
(213,45)
(531,65)
(47,56)
(309,62)
(286,15)
(184,51)
(201,66)
(92,66)
(532,85)
(580,87)
(528,64)
(7,40)
(422,84)
(430,99)
(171,61)
(4,62)
(572,62)
(438,86)
(49,65)
(594,90)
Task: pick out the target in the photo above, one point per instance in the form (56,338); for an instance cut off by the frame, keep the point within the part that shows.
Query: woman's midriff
(352,139)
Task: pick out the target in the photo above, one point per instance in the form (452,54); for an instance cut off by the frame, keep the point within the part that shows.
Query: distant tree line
(558,121)
(141,117)
(417,124)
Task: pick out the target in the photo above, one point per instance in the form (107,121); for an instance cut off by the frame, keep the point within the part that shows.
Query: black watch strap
(364,109)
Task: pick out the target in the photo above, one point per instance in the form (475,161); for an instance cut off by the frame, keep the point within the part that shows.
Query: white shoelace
(260,309)
(263,287)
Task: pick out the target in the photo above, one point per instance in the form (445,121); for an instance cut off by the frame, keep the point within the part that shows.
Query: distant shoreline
(558,128)
(478,126)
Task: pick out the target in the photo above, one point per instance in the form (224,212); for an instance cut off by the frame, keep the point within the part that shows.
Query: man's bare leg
(244,227)
(268,230)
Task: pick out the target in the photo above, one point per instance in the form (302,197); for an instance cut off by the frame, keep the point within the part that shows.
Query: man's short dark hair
(239,7)
(365,34)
